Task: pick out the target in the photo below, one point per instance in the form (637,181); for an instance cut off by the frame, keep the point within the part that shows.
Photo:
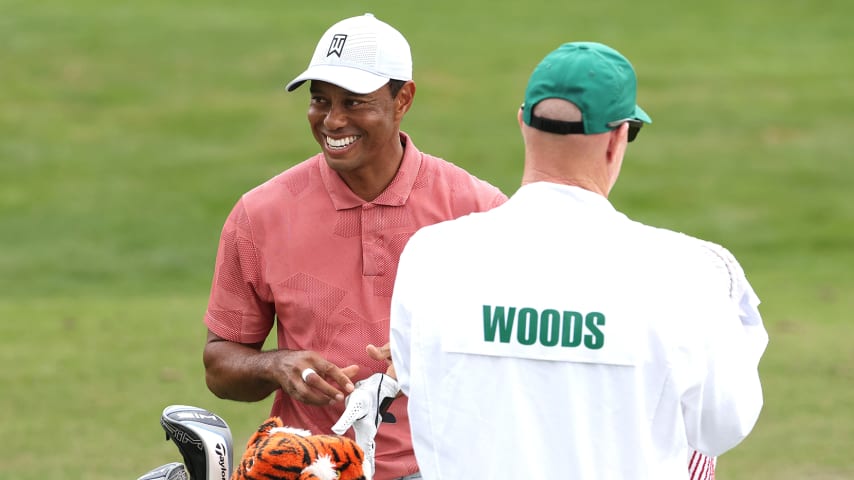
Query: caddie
(553,336)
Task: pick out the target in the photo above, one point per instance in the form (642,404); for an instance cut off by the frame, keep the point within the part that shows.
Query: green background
(129,129)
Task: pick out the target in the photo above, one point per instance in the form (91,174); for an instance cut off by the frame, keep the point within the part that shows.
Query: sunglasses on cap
(562,127)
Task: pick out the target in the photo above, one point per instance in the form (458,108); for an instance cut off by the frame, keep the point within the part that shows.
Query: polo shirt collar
(395,194)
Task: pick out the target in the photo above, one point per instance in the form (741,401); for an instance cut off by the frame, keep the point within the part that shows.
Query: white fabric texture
(553,337)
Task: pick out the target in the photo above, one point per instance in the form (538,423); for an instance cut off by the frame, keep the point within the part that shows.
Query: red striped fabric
(701,467)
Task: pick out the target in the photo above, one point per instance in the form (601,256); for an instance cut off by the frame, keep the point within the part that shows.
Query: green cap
(596,78)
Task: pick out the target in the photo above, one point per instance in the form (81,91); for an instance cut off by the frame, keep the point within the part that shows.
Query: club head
(203,438)
(170,471)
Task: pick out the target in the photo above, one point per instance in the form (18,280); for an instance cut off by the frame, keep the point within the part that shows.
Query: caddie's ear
(617,142)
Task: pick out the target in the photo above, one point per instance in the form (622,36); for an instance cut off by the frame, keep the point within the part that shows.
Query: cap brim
(641,115)
(348,78)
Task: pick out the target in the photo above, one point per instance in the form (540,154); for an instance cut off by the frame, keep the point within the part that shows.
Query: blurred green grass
(128,130)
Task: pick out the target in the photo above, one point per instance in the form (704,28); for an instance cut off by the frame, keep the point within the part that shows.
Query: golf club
(170,471)
(203,438)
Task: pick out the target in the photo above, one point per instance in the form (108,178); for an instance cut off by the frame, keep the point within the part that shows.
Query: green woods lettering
(550,328)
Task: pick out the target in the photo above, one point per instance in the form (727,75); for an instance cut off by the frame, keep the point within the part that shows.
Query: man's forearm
(238,372)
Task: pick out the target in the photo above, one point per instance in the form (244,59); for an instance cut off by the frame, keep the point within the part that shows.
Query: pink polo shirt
(303,248)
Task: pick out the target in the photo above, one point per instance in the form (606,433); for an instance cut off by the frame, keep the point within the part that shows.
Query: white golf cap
(359,54)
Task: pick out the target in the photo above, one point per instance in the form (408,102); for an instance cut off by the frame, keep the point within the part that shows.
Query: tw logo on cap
(336,46)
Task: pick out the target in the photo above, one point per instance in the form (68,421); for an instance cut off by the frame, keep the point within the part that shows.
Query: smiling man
(313,252)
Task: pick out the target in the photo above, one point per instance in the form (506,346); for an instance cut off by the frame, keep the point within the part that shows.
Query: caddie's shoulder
(715,260)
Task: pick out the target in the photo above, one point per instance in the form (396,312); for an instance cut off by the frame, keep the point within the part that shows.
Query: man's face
(354,130)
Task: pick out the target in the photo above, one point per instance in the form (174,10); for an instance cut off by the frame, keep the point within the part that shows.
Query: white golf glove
(365,410)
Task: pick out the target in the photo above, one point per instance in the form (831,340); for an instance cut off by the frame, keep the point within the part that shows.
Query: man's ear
(617,142)
(403,100)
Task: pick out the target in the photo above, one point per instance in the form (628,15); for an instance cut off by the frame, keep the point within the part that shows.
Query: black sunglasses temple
(634,129)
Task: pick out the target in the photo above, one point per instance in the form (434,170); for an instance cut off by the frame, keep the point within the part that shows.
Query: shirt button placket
(370,239)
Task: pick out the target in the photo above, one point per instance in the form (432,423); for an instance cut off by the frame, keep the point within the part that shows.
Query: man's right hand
(243,372)
(316,381)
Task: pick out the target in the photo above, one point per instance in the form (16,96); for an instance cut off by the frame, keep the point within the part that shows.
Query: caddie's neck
(591,162)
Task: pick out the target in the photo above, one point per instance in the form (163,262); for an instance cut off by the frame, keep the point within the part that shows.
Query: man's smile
(340,143)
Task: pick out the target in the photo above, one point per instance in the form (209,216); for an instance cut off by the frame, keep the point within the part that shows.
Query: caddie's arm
(724,407)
